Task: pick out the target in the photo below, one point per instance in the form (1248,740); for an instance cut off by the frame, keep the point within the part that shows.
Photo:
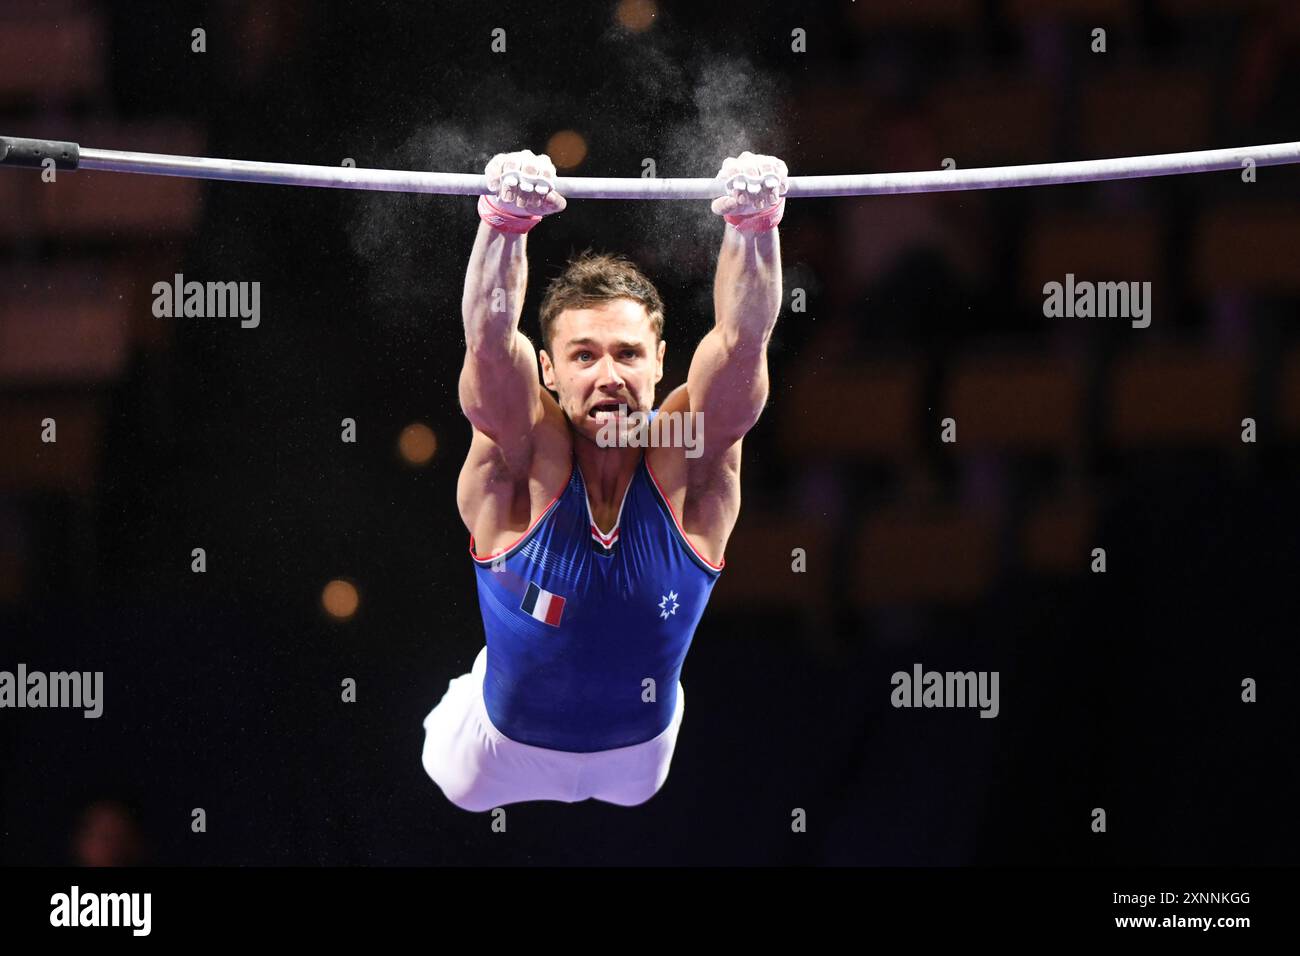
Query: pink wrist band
(504,221)
(759,221)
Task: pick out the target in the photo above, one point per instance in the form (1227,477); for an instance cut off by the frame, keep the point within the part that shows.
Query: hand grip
(15,151)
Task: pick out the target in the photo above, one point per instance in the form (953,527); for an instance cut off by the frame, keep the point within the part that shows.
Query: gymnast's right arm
(499,389)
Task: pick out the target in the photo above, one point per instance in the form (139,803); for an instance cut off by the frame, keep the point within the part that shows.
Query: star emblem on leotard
(664,610)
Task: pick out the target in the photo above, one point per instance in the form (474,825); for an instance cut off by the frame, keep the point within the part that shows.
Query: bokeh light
(636,15)
(417,444)
(340,599)
(567,149)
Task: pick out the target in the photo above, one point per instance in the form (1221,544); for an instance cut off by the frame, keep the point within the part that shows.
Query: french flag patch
(543,605)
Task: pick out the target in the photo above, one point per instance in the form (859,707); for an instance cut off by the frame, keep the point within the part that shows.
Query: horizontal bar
(578,187)
(36,153)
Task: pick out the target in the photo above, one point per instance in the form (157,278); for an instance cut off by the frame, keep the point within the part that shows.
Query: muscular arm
(728,380)
(499,388)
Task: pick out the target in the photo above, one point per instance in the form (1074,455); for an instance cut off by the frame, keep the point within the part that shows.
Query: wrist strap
(759,221)
(503,221)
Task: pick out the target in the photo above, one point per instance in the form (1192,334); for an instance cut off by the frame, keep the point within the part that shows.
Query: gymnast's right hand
(523,184)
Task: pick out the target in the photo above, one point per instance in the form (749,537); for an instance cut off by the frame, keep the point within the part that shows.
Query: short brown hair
(592,278)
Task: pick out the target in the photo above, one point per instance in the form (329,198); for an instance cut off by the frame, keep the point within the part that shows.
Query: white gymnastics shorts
(479,768)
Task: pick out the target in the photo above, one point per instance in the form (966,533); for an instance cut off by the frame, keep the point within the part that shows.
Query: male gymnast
(594,558)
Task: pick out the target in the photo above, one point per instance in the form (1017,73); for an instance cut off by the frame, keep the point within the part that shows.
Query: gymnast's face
(605,356)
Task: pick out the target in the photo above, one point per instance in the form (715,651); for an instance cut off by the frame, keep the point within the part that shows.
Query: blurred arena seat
(826,112)
(81,256)
(906,556)
(112,206)
(51,53)
(1247,246)
(12,575)
(1100,13)
(96,206)
(1288,402)
(68,465)
(157,135)
(1131,110)
(66,324)
(993,120)
(17,203)
(1196,9)
(1093,245)
(843,411)
(759,573)
(1015,402)
(869,18)
(1055,537)
(117,206)
(13,554)
(1176,397)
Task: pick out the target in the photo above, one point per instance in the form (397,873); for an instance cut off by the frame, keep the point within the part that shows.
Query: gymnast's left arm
(728,379)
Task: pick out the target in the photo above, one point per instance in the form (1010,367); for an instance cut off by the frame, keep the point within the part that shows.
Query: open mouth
(604,410)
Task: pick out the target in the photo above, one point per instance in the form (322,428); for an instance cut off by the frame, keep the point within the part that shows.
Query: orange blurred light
(636,15)
(417,444)
(567,149)
(340,599)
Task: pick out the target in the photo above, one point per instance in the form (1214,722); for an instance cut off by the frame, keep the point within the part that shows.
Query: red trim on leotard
(545,512)
(680,530)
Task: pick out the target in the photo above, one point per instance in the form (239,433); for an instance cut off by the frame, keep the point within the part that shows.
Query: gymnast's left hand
(754,183)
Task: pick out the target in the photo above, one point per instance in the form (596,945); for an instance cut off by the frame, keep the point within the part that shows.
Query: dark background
(1118,690)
